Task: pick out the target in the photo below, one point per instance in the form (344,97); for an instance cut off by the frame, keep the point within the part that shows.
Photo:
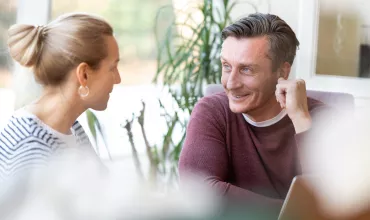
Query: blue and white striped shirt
(26,142)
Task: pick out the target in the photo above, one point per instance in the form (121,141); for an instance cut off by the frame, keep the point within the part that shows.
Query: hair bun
(25,43)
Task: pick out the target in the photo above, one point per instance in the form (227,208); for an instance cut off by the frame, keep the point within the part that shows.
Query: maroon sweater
(239,159)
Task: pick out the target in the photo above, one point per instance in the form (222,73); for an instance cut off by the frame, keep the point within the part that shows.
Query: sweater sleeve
(205,154)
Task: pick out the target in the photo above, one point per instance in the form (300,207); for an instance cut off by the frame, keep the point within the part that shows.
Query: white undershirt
(268,122)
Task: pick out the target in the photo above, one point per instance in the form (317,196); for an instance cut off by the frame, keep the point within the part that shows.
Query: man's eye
(245,70)
(226,67)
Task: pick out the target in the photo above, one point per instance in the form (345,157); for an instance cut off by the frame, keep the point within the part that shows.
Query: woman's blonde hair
(53,50)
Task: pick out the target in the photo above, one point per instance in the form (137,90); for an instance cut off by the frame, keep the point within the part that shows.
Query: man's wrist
(302,122)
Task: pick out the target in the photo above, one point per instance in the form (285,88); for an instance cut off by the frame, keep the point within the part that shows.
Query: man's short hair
(282,39)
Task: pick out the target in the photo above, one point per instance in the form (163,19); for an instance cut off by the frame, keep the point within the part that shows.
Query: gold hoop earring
(83,91)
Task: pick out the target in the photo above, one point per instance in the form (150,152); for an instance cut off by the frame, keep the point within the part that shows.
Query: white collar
(268,122)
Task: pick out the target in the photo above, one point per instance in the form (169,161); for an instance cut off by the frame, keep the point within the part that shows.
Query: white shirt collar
(268,122)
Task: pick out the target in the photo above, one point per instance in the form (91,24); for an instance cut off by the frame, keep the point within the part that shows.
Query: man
(245,140)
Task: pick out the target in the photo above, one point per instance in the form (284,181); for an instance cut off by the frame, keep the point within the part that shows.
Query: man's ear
(81,73)
(284,70)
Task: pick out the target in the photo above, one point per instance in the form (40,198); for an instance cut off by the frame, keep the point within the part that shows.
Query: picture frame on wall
(309,61)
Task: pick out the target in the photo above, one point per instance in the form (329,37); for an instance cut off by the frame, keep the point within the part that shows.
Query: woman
(75,59)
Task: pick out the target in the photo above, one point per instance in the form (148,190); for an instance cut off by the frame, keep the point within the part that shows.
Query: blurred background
(169,54)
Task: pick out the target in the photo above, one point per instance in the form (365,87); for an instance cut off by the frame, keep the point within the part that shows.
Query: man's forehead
(245,48)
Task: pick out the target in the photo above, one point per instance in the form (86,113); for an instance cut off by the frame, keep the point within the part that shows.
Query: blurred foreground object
(336,159)
(75,187)
(302,203)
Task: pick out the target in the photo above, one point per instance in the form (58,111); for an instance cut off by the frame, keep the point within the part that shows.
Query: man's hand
(291,94)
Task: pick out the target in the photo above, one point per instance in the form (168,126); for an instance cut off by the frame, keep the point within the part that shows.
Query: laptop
(300,202)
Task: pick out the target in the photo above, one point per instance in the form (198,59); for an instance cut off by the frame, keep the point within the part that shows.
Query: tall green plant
(185,65)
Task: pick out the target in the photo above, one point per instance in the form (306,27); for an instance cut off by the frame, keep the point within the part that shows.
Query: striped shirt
(26,142)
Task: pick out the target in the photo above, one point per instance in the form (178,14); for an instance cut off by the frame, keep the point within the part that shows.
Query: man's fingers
(294,89)
(281,99)
(280,95)
(281,79)
(281,89)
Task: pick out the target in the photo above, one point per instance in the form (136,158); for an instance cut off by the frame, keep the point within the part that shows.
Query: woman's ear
(81,73)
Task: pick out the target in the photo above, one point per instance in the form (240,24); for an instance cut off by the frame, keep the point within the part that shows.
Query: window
(133,23)
(7,18)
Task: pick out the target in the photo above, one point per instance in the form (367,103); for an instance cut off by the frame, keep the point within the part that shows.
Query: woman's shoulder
(80,134)
(22,129)
(23,143)
(18,126)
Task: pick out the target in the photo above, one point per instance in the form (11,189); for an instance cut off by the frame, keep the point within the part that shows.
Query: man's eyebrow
(244,64)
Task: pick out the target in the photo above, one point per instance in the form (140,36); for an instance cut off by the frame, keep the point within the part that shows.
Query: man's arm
(292,95)
(311,126)
(205,153)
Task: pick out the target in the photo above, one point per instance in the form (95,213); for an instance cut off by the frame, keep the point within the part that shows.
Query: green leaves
(194,60)
(186,63)
(96,130)
(187,60)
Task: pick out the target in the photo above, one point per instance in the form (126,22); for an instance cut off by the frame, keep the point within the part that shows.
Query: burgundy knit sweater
(238,159)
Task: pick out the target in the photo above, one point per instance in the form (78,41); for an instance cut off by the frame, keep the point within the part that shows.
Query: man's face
(247,75)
